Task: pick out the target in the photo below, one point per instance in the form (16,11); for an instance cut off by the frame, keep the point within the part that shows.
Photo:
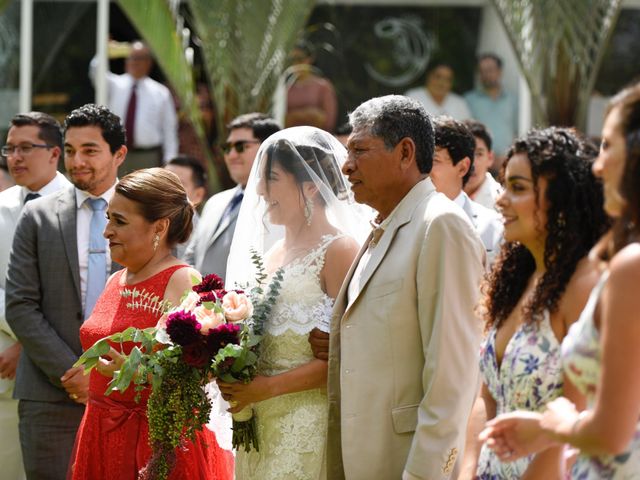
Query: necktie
(233,204)
(376,235)
(130,119)
(97,271)
(31,196)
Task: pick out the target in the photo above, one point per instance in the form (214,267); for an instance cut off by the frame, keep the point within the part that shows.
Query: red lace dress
(112,439)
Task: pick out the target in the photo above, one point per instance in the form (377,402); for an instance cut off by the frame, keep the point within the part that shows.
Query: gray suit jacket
(210,243)
(44,306)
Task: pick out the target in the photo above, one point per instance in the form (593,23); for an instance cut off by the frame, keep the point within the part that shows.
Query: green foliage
(176,412)
(245,44)
(148,302)
(559,45)
(155,22)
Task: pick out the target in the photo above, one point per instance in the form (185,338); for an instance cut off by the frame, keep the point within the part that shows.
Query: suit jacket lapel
(215,226)
(226,221)
(342,299)
(67,218)
(400,217)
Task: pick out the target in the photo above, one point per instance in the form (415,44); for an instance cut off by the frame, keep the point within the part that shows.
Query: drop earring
(156,242)
(308,210)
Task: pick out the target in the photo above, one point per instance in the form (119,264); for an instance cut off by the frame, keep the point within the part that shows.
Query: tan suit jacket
(403,360)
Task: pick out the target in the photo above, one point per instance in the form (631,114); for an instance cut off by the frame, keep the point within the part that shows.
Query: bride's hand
(239,394)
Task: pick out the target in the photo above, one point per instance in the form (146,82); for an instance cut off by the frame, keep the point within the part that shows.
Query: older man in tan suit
(404,339)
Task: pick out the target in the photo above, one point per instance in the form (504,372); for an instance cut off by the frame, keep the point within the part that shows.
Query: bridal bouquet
(212,333)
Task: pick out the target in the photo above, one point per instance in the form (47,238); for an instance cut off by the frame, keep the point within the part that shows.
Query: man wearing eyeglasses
(58,266)
(32,152)
(209,246)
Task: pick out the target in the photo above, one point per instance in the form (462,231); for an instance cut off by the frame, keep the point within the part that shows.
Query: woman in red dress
(148,215)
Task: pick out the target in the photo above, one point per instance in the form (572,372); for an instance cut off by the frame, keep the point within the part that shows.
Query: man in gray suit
(452,168)
(209,246)
(33,150)
(49,282)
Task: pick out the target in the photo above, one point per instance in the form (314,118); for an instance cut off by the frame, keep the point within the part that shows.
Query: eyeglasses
(22,149)
(238,146)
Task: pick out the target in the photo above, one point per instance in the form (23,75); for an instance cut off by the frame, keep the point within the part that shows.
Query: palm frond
(155,22)
(245,44)
(559,45)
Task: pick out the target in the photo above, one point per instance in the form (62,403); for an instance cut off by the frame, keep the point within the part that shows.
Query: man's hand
(76,383)
(9,361)
(319,341)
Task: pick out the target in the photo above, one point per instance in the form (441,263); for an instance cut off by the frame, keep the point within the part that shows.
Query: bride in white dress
(297,213)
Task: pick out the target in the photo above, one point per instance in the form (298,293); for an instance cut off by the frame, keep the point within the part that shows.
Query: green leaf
(98,349)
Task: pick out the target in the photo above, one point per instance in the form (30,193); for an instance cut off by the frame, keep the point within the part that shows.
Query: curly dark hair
(575,221)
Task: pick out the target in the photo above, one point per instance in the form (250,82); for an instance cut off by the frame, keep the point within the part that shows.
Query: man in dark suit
(209,247)
(57,268)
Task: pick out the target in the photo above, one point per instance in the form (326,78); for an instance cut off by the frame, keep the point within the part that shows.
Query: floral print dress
(529,376)
(581,352)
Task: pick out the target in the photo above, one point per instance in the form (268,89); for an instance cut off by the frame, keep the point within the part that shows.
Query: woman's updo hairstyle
(158,193)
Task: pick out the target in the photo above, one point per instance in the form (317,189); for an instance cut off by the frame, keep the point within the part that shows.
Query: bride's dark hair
(318,160)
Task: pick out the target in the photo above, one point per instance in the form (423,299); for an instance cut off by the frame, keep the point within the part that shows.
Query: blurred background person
(539,284)
(32,151)
(6,180)
(146,108)
(209,246)
(493,105)
(600,354)
(194,180)
(148,216)
(436,95)
(311,98)
(453,162)
(481,186)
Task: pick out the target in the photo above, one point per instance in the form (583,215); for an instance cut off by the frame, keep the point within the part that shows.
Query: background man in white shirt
(147,111)
(32,152)
(482,187)
(49,282)
(452,166)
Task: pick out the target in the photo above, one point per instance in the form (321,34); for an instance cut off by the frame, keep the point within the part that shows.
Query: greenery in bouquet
(178,357)
(237,362)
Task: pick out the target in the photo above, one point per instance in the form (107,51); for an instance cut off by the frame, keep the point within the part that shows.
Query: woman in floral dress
(553,216)
(600,353)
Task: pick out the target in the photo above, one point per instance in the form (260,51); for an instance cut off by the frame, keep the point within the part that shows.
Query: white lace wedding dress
(292,427)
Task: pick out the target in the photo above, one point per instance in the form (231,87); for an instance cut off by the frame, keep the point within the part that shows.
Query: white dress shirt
(58,182)
(83,227)
(453,105)
(156,122)
(488,192)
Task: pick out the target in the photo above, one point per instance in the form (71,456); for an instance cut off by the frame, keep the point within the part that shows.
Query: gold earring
(156,242)
(308,210)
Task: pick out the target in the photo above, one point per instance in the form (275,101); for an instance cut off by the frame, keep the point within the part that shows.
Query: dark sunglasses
(238,146)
